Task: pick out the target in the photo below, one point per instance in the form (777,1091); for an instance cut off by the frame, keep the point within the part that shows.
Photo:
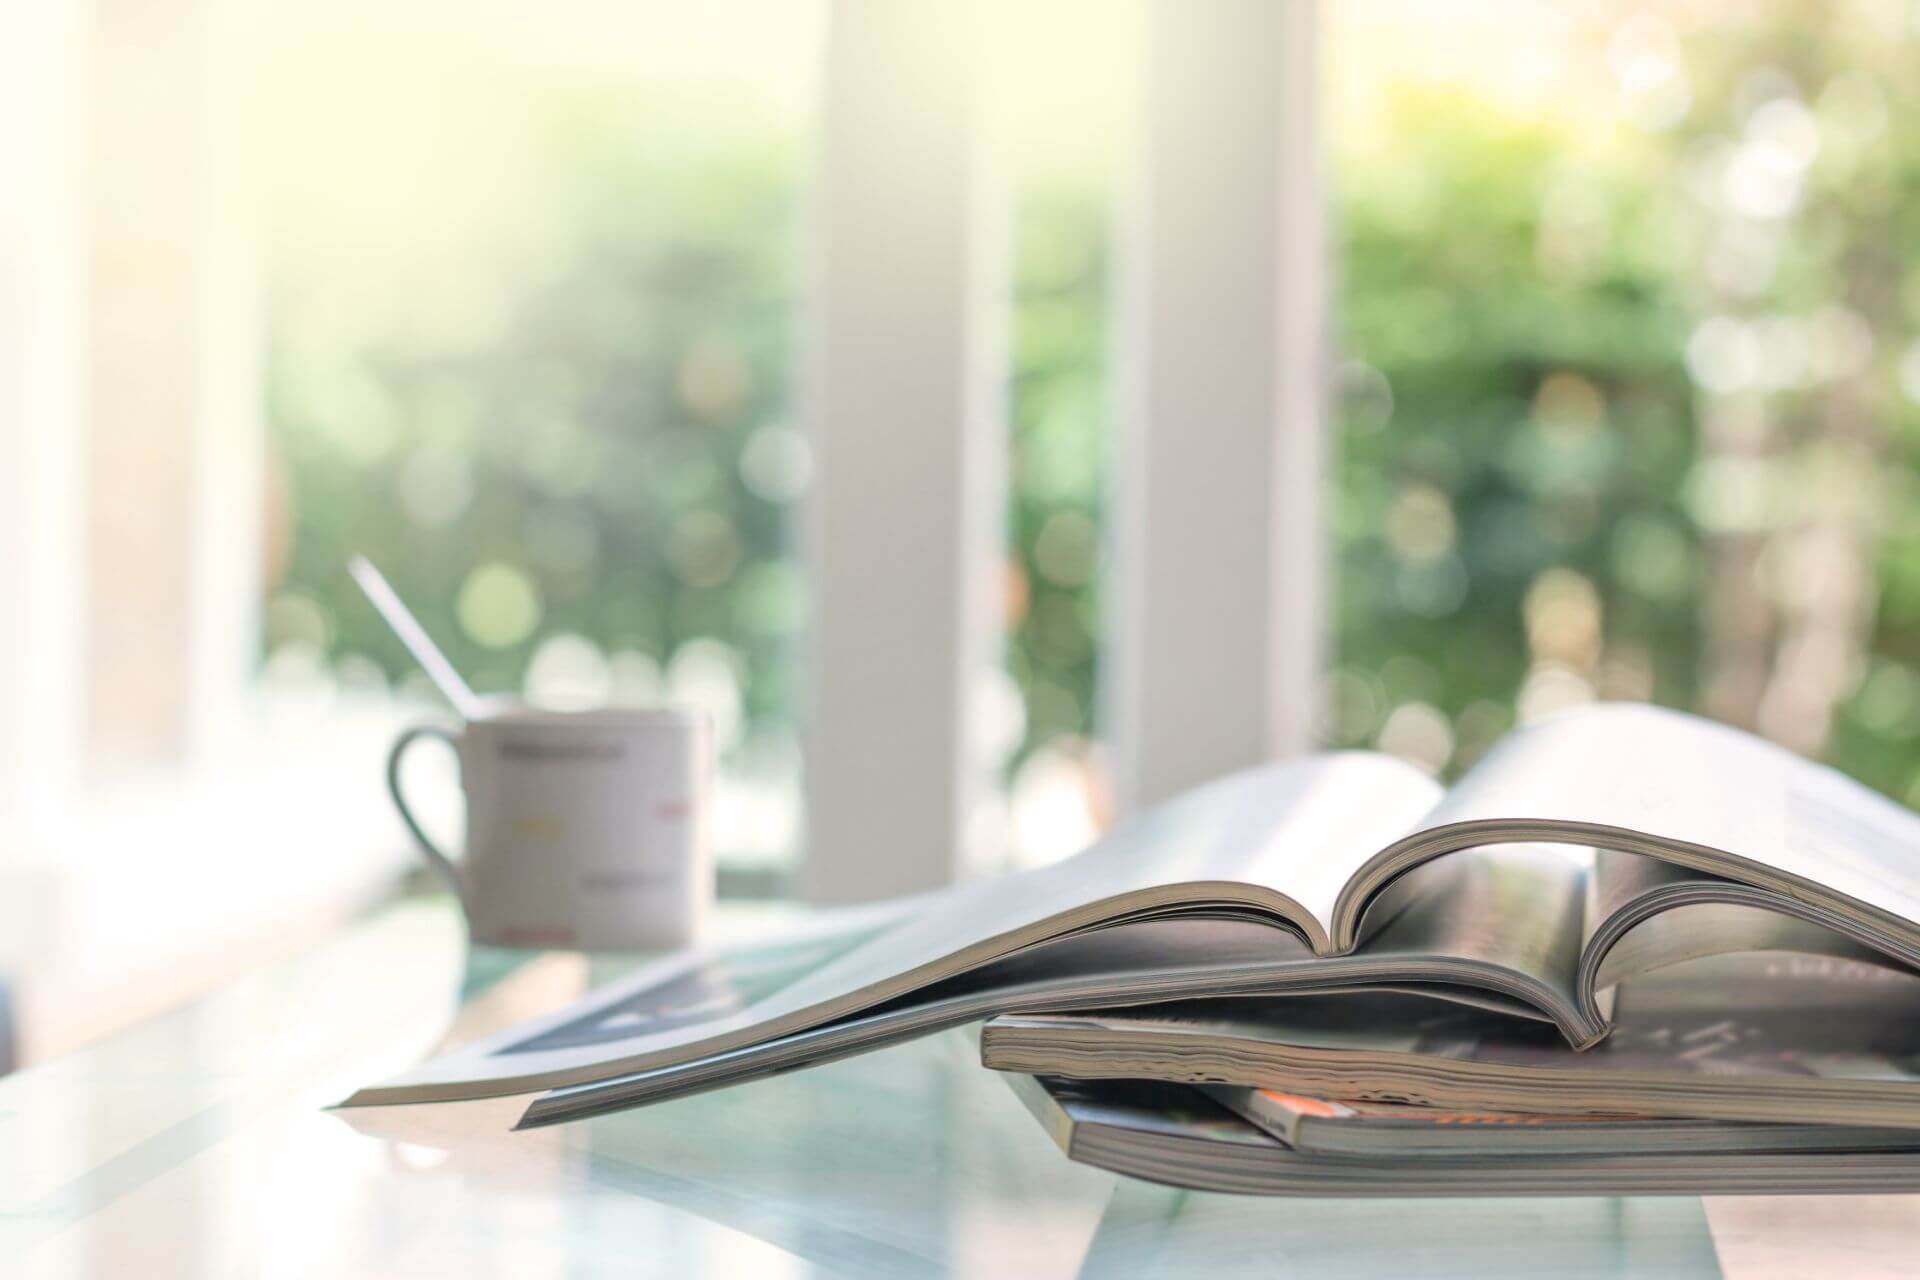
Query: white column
(1217,613)
(174,471)
(44,80)
(229,528)
(902,398)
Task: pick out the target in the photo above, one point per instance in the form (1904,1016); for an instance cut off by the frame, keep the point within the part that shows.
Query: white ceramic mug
(584,829)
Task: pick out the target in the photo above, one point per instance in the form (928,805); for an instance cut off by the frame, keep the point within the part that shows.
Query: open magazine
(1332,873)
(1319,1126)
(1177,1135)
(1785,1042)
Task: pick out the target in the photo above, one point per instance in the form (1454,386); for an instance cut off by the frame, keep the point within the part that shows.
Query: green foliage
(614,435)
(598,419)
(1059,453)
(1514,401)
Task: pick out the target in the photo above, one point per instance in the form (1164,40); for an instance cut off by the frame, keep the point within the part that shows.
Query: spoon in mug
(382,596)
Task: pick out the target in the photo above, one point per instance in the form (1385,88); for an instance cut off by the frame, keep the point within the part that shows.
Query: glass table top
(201,1143)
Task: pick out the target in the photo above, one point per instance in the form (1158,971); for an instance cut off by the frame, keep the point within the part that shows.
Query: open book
(1340,872)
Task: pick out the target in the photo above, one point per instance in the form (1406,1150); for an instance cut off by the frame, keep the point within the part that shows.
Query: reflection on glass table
(201,1143)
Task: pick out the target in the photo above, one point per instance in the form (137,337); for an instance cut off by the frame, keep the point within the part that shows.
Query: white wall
(44,82)
(175,464)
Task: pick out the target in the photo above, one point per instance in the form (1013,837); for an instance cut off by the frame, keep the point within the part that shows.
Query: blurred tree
(1058,404)
(1796,204)
(1631,414)
(574,459)
(1624,411)
(1514,433)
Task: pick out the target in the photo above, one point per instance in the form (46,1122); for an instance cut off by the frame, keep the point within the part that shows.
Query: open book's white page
(1678,778)
(1298,828)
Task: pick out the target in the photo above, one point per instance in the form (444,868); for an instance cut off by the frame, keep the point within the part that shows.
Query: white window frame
(904,406)
(1216,623)
(1216,633)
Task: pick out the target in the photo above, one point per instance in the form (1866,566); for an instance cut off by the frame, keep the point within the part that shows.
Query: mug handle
(434,855)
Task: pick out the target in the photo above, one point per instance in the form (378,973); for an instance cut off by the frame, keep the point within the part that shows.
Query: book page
(1296,829)
(1517,909)
(1694,931)
(1685,781)
(1299,829)
(1723,1016)
(1620,880)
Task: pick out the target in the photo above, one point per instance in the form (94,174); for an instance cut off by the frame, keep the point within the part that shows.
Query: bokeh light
(1627,387)
(498,605)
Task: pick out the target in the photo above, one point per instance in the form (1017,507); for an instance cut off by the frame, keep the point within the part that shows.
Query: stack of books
(1630,951)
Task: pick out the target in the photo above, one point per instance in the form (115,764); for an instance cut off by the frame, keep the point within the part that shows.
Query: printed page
(1692,932)
(1739,1016)
(1622,879)
(1726,1016)
(1641,770)
(1517,908)
(1685,915)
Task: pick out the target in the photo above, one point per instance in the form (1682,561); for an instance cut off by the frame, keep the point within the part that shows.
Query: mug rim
(506,713)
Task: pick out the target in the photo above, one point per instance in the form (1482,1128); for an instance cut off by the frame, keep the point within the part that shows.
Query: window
(1623,360)
(533,324)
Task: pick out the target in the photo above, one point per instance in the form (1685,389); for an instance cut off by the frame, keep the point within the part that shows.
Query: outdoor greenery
(1623,411)
(1633,416)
